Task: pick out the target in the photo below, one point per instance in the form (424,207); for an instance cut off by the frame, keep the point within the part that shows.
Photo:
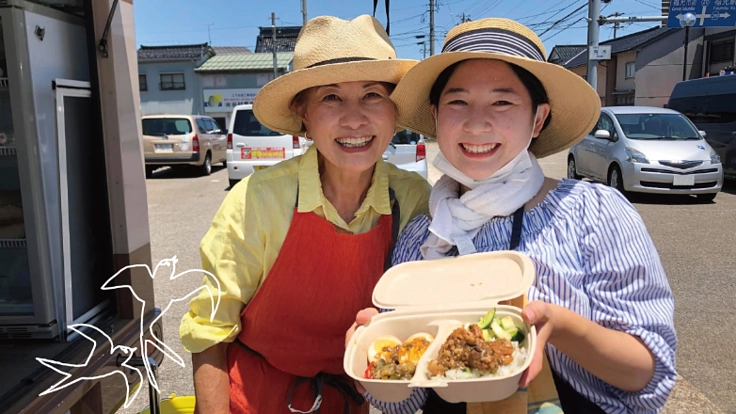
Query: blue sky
(236,22)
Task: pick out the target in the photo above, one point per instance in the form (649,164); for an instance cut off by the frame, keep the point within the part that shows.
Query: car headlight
(636,156)
(714,158)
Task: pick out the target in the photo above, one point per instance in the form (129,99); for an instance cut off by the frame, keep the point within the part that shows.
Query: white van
(252,147)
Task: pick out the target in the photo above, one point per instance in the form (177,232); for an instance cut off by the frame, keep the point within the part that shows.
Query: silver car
(648,150)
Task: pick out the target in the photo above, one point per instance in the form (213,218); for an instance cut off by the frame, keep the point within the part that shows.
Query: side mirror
(702,133)
(602,134)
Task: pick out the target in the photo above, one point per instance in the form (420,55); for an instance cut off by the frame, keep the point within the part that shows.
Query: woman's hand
(362,318)
(542,315)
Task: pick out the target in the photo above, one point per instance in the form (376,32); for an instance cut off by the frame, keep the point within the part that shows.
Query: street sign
(599,52)
(708,13)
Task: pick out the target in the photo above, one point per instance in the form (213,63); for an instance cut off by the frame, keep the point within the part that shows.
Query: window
(212,126)
(246,124)
(722,51)
(166,126)
(142,82)
(606,123)
(657,126)
(630,69)
(172,81)
(623,100)
(202,126)
(406,137)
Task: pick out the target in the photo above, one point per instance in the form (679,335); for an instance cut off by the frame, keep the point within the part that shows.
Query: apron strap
(517,221)
(335,381)
(395,222)
(318,382)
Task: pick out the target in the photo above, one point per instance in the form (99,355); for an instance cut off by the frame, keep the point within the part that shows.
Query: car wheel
(572,172)
(233,182)
(224,164)
(206,168)
(706,198)
(615,179)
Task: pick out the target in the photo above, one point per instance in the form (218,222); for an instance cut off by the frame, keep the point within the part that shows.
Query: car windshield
(657,127)
(247,124)
(166,126)
(405,137)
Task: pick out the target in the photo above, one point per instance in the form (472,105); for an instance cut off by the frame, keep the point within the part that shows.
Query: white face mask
(446,166)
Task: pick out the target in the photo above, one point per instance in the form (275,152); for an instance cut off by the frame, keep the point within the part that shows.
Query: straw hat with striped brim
(575,106)
(329,51)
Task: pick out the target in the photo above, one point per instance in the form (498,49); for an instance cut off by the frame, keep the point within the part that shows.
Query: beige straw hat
(575,106)
(328,51)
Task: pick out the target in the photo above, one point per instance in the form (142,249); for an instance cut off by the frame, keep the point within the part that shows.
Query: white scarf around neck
(456,220)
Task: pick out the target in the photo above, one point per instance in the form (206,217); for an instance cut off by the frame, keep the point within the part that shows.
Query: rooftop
(624,44)
(174,52)
(561,54)
(229,50)
(246,61)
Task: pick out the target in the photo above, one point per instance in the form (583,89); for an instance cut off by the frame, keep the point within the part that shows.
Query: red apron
(293,329)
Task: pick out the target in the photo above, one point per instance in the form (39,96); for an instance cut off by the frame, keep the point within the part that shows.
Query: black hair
(533,86)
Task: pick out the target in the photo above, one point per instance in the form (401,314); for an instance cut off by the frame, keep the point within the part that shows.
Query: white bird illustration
(155,341)
(68,378)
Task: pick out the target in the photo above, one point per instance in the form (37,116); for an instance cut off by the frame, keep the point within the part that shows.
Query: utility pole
(594,11)
(273,33)
(209,38)
(424,48)
(431,27)
(464,19)
(304,13)
(616,24)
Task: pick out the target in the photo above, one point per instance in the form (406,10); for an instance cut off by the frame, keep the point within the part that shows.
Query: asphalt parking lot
(696,243)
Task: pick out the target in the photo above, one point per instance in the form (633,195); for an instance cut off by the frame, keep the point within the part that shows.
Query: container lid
(476,280)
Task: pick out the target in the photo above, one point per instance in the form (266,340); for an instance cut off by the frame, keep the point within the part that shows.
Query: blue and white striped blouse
(592,255)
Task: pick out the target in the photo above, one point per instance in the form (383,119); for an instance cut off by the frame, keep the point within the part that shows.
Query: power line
(563,19)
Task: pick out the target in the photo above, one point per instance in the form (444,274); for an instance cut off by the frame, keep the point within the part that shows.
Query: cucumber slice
(518,336)
(488,335)
(486,320)
(507,323)
(499,331)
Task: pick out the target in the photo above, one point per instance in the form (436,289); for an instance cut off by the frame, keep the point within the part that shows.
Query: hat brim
(575,106)
(271,104)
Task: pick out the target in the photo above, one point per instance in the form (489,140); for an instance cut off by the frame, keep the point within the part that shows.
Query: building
(230,80)
(285,39)
(200,79)
(167,80)
(644,66)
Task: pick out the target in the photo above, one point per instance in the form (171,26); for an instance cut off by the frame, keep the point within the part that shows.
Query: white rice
(504,370)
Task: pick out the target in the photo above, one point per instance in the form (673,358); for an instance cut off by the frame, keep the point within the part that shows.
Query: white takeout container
(438,296)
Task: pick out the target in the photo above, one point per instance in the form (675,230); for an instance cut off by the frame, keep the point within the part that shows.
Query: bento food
(488,348)
(391,359)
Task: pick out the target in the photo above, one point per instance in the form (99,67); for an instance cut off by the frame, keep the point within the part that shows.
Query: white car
(407,151)
(252,147)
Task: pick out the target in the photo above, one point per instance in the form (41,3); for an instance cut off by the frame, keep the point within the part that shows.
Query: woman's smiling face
(485,117)
(351,123)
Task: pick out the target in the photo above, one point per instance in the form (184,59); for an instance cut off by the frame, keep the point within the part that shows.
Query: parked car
(252,147)
(182,140)
(407,151)
(648,150)
(710,103)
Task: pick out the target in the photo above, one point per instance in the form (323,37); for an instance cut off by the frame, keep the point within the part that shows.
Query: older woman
(299,246)
(601,301)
